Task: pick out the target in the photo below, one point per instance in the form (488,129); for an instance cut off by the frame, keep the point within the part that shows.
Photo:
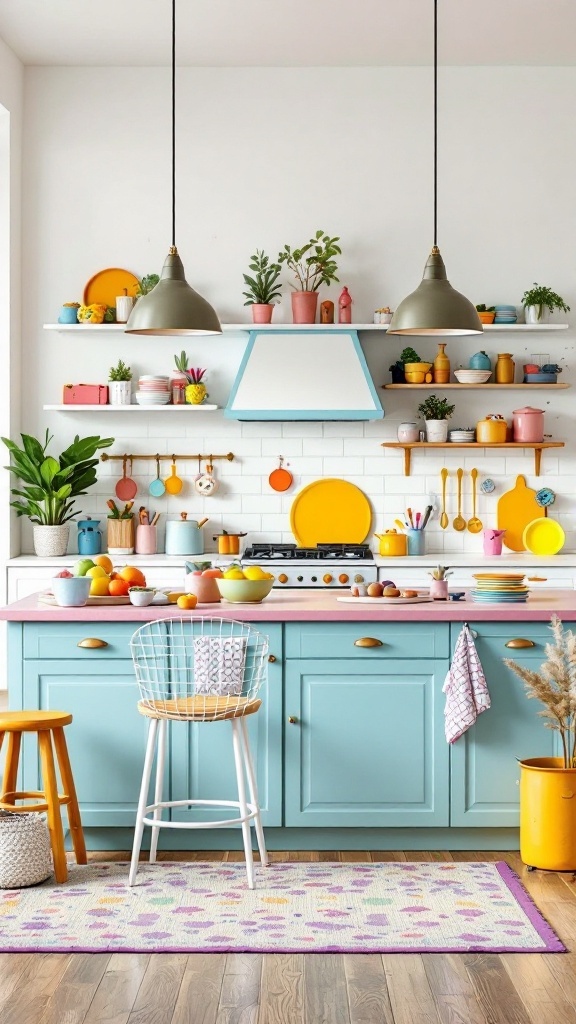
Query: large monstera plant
(49,485)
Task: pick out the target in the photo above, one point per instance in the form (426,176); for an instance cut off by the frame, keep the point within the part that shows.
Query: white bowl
(472,376)
(141,598)
(147,400)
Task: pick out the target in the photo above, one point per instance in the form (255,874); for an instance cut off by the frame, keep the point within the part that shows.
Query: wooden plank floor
(249,988)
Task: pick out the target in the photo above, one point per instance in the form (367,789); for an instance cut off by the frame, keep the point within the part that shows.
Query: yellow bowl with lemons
(245,586)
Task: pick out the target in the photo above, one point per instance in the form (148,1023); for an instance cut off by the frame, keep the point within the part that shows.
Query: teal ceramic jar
(480,361)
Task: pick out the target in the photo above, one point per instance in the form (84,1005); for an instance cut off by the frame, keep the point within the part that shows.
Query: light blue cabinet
(366,745)
(484,769)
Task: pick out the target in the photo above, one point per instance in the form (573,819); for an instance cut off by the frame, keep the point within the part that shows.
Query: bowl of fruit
(245,586)
(107,582)
(70,591)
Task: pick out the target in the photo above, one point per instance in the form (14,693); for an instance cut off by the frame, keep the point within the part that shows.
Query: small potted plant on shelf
(408,357)
(486,314)
(69,313)
(539,301)
(263,287)
(439,582)
(436,412)
(312,265)
(146,284)
(119,389)
(547,814)
(196,388)
(50,485)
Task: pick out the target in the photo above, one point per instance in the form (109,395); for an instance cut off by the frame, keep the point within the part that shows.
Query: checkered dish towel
(465,687)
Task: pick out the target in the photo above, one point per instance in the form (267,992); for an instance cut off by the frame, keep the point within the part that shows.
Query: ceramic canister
(184,537)
(491,430)
(528,424)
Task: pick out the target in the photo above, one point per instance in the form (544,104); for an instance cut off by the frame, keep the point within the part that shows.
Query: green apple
(82,565)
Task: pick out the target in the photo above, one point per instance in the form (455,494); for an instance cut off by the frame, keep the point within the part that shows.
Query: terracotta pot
(205,588)
(304,306)
(262,313)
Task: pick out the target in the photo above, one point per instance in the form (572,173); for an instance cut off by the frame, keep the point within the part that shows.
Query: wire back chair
(199,670)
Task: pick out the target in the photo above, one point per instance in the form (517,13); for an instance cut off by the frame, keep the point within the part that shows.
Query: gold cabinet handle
(368,641)
(520,642)
(272,658)
(92,642)
(292,719)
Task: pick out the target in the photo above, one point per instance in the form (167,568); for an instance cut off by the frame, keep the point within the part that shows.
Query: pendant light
(435,307)
(173,307)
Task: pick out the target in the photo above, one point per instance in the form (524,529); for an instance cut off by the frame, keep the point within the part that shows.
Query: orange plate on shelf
(330,511)
(107,284)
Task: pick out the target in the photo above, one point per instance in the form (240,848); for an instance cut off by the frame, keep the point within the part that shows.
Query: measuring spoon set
(474,524)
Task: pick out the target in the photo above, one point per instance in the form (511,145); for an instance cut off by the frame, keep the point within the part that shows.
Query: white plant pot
(437,430)
(51,541)
(120,392)
(536,314)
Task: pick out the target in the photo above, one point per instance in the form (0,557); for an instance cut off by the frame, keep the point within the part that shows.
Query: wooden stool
(46,724)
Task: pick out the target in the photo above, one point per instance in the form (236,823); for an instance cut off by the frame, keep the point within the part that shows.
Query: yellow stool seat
(49,726)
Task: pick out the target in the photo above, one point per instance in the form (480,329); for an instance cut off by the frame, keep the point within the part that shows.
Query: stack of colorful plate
(153,390)
(505,315)
(499,588)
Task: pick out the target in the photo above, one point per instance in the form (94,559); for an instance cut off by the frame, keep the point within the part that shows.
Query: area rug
(320,907)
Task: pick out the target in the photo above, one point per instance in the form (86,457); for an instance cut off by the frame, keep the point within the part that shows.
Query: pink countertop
(310,606)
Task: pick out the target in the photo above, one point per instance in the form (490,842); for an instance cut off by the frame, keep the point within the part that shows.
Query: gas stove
(326,565)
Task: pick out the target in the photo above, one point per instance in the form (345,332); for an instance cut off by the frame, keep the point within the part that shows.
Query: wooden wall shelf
(476,387)
(407,448)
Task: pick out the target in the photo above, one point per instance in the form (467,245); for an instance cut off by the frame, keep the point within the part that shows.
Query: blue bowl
(71,592)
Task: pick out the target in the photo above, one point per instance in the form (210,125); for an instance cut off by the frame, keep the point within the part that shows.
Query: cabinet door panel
(368,746)
(202,761)
(106,739)
(337,640)
(484,767)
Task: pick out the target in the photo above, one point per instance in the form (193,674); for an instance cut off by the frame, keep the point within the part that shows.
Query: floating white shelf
(130,408)
(234,328)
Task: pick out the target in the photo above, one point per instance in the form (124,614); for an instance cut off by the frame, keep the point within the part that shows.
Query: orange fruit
(132,575)
(187,601)
(105,561)
(118,588)
(215,574)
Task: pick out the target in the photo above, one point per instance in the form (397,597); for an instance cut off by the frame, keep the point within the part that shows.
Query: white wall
(266,156)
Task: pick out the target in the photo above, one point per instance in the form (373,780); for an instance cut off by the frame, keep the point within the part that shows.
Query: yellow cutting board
(517,508)
(330,511)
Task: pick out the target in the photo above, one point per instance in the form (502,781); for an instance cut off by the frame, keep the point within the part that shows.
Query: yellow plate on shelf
(330,511)
(107,284)
(544,537)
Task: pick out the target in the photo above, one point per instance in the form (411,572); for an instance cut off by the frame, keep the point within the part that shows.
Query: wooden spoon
(459,521)
(444,516)
(474,524)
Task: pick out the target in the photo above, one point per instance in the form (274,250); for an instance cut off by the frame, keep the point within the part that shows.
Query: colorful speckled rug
(321,907)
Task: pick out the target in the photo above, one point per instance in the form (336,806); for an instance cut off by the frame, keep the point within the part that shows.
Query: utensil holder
(121,536)
(146,540)
(416,542)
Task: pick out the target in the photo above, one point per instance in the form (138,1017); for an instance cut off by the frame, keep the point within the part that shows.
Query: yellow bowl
(417,367)
(244,591)
(414,377)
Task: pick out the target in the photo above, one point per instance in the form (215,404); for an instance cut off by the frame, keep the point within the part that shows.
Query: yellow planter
(548,814)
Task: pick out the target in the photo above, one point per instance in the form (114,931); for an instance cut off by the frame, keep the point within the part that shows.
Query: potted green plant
(312,265)
(263,287)
(119,390)
(436,412)
(539,301)
(146,284)
(50,485)
(486,314)
(398,369)
(195,386)
(548,784)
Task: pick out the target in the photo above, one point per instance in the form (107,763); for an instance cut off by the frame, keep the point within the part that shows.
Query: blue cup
(416,542)
(71,592)
(68,315)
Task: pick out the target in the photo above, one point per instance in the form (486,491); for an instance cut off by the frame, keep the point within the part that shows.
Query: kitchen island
(349,742)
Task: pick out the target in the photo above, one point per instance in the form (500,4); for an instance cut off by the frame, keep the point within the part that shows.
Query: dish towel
(465,687)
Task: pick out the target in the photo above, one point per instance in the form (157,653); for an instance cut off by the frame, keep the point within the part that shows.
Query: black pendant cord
(435,123)
(174,123)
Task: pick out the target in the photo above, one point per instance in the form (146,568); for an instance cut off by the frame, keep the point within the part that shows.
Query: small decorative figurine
(344,307)
(327,312)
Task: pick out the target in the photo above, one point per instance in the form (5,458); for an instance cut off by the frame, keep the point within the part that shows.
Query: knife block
(121,536)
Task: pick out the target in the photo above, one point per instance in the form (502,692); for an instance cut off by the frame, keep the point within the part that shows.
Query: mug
(493,541)
(416,542)
(145,540)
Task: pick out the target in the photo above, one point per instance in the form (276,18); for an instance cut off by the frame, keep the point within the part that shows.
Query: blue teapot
(480,361)
(89,537)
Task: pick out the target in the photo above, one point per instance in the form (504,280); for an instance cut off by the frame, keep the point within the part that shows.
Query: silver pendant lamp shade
(173,307)
(435,307)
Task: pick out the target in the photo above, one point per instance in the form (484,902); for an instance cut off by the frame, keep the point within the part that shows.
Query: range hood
(300,374)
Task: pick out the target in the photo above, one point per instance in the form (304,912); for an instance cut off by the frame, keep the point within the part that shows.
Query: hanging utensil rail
(167,458)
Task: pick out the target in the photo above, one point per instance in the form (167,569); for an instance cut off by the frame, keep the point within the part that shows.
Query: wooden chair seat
(199,708)
(33,721)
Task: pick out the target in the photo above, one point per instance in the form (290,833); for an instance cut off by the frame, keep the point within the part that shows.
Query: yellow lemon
(254,572)
(96,571)
(99,586)
(234,574)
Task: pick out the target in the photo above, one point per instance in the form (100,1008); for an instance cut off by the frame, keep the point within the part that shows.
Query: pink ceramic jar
(528,425)
(205,588)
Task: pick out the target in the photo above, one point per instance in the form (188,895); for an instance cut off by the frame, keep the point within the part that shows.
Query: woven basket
(25,855)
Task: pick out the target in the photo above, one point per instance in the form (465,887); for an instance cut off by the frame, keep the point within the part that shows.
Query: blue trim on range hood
(326,369)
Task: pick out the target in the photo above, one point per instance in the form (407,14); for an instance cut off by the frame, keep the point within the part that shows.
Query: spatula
(459,522)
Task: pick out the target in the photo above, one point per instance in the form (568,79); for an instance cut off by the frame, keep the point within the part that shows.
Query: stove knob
(313,579)
(282,578)
(300,579)
(343,578)
(358,579)
(327,578)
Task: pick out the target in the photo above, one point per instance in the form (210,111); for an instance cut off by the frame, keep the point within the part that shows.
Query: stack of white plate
(153,390)
(464,435)
(472,376)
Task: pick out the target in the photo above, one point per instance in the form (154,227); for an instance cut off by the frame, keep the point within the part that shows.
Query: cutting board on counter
(517,508)
(47,597)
